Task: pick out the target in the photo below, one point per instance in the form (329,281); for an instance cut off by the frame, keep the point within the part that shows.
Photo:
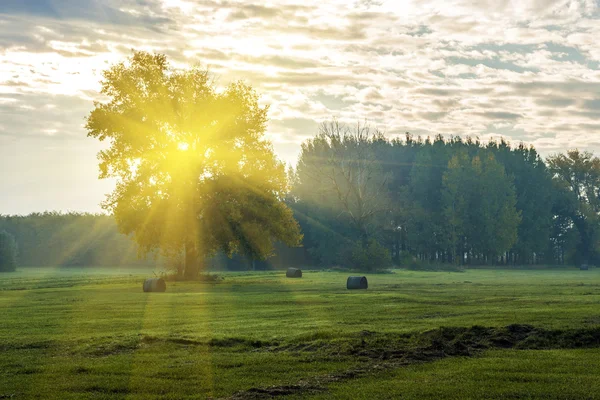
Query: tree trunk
(364,238)
(397,240)
(192,262)
(585,248)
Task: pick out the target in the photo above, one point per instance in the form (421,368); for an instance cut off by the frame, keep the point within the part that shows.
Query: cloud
(123,12)
(253,11)
(526,70)
(294,129)
(555,102)
(592,105)
(37,116)
(499,115)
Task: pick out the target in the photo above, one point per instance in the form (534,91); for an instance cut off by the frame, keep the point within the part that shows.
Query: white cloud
(527,70)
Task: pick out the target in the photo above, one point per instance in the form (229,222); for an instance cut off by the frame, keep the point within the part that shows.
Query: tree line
(70,239)
(365,201)
(52,239)
(361,196)
(198,184)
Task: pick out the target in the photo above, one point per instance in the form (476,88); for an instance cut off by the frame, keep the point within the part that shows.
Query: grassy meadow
(93,333)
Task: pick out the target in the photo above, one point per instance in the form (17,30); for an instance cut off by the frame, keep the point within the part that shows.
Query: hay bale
(155,285)
(294,273)
(583,267)
(357,282)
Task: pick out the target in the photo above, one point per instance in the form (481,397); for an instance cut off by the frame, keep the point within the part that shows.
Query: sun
(183,146)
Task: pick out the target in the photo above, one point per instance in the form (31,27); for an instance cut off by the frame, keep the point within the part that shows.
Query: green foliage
(369,258)
(56,239)
(494,203)
(577,184)
(8,252)
(480,206)
(425,220)
(175,265)
(327,235)
(194,171)
(340,190)
(413,263)
(535,199)
(92,240)
(338,170)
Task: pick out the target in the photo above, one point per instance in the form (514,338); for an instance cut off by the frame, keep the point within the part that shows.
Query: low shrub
(369,258)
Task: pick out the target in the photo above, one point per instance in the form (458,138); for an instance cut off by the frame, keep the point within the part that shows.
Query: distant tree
(551,224)
(577,184)
(425,220)
(342,190)
(371,257)
(397,159)
(194,172)
(534,190)
(326,235)
(480,206)
(75,239)
(8,252)
(338,168)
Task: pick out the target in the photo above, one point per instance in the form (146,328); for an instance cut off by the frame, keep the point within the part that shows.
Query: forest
(364,201)
(437,200)
(93,240)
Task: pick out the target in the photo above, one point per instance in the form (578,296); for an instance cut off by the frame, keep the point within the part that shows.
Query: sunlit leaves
(192,164)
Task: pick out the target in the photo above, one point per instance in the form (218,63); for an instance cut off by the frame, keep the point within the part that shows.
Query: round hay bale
(155,285)
(583,267)
(294,273)
(357,282)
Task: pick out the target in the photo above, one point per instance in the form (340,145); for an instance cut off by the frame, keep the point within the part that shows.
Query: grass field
(69,333)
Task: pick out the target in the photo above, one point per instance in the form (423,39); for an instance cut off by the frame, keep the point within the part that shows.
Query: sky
(525,70)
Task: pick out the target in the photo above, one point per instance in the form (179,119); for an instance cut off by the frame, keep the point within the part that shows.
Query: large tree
(194,172)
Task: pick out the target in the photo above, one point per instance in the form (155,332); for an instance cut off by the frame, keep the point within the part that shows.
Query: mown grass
(498,374)
(69,333)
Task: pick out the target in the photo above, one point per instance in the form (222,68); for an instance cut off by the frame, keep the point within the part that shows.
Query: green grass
(506,374)
(73,333)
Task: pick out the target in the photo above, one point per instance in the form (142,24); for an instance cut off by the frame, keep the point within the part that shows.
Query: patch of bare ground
(428,347)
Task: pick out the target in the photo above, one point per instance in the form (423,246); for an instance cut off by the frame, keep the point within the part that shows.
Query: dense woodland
(459,201)
(364,201)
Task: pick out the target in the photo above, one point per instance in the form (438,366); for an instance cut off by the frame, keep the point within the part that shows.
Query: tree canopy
(479,203)
(577,186)
(194,171)
(434,200)
(8,252)
(339,169)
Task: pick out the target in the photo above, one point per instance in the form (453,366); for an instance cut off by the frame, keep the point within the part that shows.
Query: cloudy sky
(527,70)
